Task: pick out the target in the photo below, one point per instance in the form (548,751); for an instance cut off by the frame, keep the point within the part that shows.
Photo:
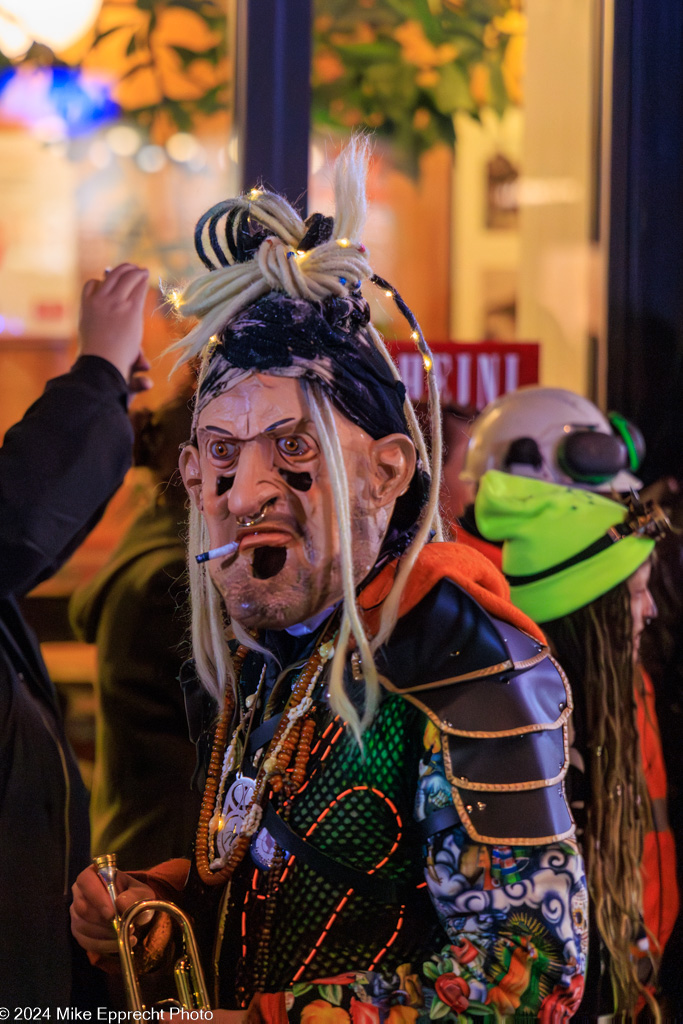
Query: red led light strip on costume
(323,814)
(332,742)
(399,925)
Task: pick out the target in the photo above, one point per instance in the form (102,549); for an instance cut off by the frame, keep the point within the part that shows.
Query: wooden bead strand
(287,739)
(213,777)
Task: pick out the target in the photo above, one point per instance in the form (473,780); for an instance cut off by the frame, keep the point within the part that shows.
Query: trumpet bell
(189,976)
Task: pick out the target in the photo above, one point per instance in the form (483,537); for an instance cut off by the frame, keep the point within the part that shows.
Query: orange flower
(352,117)
(327,67)
(464,951)
(402,1015)
(426,79)
(513,68)
(363,1013)
(417,49)
(362,33)
(512,23)
(421,119)
(432,736)
(507,994)
(479,84)
(411,985)
(322,1012)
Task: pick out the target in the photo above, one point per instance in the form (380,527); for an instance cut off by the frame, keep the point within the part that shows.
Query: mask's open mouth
(268,561)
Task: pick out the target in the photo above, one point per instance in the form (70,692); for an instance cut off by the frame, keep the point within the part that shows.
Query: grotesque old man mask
(306,463)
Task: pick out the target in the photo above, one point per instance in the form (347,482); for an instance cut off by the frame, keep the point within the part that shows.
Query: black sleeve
(58,468)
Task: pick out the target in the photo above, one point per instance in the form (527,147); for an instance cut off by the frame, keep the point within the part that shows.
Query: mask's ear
(393,462)
(191,474)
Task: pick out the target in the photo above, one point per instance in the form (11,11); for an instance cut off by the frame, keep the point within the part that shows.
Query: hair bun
(349,313)
(319,229)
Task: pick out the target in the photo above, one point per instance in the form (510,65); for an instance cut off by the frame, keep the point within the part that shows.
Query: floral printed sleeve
(515,924)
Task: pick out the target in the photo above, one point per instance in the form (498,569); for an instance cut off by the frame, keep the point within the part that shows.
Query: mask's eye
(223,451)
(293,447)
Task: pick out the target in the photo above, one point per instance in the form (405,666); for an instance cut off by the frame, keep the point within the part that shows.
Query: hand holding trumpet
(102,902)
(92,911)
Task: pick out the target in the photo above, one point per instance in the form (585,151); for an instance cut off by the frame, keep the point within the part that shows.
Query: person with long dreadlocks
(384,833)
(579,563)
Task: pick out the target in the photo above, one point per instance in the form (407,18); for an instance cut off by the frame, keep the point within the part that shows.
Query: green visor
(563,547)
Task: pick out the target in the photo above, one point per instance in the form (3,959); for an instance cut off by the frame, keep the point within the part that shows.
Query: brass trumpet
(188,973)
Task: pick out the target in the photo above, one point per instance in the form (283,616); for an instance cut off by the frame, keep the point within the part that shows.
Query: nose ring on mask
(228,549)
(253,520)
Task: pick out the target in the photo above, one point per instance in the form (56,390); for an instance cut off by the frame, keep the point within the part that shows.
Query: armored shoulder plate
(501,703)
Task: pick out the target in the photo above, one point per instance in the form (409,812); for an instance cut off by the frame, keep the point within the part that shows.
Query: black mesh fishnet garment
(364,797)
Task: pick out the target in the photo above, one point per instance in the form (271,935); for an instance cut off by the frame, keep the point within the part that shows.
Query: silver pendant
(235,807)
(263,849)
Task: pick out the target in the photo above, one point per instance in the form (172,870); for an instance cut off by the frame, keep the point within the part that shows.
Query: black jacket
(58,467)
(135,610)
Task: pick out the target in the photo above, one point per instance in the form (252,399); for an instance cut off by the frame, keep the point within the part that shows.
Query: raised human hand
(111,322)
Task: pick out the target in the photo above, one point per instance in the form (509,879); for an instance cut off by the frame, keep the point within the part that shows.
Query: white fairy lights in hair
(217,296)
(335,267)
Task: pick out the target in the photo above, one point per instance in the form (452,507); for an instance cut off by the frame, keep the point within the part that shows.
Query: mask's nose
(256,484)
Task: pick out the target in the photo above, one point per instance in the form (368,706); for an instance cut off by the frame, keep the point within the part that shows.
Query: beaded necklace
(294,733)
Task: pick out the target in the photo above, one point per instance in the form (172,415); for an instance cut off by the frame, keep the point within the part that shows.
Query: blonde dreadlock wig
(283,296)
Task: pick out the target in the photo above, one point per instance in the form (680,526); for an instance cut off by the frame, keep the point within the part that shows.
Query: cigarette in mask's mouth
(222,552)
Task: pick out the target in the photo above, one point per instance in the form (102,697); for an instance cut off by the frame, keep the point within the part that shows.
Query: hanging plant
(165,60)
(405,67)
(400,67)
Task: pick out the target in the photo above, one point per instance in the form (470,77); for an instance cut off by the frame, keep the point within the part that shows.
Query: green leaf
(190,5)
(107,32)
(438,1009)
(211,100)
(479,1010)
(182,117)
(332,993)
(404,8)
(133,71)
(368,53)
(453,90)
(430,24)
(300,988)
(186,56)
(499,95)
(431,970)
(213,54)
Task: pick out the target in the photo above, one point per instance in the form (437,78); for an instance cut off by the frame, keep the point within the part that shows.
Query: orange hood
(466,566)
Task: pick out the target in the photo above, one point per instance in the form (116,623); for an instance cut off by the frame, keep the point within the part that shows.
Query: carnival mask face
(258,476)
(643,607)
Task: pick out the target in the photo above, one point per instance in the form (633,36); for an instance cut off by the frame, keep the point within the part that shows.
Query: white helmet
(555,435)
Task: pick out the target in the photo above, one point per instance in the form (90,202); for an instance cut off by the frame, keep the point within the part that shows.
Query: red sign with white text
(468,373)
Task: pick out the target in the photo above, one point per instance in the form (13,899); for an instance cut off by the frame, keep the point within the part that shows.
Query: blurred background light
(183,147)
(151,159)
(38,97)
(55,24)
(123,140)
